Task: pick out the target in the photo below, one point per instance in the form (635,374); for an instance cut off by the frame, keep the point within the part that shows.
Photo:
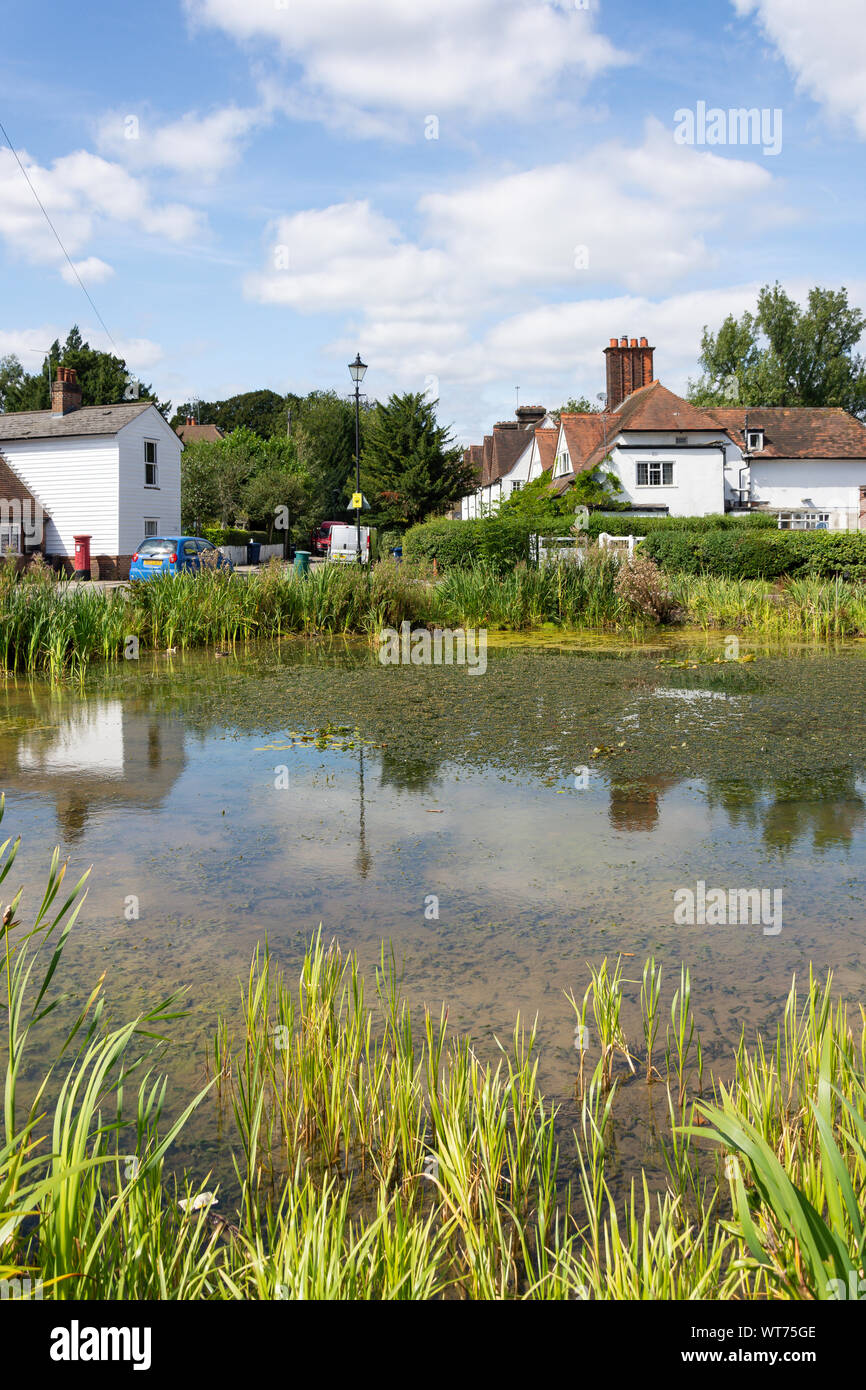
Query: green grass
(48,627)
(380,1156)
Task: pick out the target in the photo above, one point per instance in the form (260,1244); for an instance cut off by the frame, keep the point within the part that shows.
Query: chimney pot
(65,391)
(629,367)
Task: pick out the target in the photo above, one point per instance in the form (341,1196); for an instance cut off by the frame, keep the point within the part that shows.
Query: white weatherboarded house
(108,471)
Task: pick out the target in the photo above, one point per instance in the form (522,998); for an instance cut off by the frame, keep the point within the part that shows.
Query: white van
(343,543)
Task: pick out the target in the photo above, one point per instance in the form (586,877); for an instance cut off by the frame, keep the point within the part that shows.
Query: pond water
(500,829)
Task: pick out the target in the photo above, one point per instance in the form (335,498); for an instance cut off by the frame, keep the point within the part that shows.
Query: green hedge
(226,535)
(624,524)
(501,542)
(760,554)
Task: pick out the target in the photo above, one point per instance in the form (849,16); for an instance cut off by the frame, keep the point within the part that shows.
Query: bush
(500,542)
(624,524)
(760,554)
(640,583)
(227,535)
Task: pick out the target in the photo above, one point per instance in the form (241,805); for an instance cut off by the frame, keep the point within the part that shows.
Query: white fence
(553,549)
(238,553)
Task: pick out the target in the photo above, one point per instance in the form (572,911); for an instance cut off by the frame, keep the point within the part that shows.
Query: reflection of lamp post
(357,370)
(364,858)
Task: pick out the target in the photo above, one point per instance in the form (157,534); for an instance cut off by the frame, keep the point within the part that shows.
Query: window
(515,487)
(10,539)
(654,473)
(804,521)
(561,466)
(151,526)
(754,441)
(151,472)
(190,548)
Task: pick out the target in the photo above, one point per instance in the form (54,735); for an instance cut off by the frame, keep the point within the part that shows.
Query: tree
(786,354)
(597,488)
(577,405)
(104,379)
(410,467)
(326,447)
(264,412)
(242,480)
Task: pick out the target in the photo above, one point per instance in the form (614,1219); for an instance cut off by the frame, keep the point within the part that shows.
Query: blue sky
(475,194)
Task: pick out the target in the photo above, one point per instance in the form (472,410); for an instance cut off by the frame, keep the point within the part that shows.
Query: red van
(321,538)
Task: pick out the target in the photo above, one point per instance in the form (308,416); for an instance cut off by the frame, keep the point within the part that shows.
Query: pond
(500,830)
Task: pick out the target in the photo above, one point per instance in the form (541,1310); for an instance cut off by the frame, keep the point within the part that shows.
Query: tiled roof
(798,432)
(585,436)
(546,439)
(90,419)
(188,433)
(654,407)
(509,443)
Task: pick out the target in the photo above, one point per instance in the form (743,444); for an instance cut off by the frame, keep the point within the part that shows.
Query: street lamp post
(357,370)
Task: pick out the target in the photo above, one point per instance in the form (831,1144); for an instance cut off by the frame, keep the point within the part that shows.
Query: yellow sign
(357,501)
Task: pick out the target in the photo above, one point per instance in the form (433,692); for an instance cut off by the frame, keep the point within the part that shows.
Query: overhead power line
(58,239)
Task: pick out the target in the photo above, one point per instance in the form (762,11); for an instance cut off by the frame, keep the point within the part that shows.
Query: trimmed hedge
(227,535)
(502,542)
(625,524)
(760,554)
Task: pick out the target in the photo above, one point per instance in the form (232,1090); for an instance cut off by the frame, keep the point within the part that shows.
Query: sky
(476,195)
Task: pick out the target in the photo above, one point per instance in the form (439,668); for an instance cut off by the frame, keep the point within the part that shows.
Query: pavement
(107,584)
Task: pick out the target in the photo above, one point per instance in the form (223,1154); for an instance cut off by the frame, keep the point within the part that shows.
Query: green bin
(302,562)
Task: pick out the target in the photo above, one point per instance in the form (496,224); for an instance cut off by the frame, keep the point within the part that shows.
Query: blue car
(175,555)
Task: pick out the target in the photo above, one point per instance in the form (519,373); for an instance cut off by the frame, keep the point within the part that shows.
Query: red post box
(82,557)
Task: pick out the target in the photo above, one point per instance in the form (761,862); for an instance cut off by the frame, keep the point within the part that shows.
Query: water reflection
(95,753)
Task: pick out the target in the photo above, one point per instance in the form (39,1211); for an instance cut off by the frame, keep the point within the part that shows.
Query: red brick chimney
(65,392)
(629,366)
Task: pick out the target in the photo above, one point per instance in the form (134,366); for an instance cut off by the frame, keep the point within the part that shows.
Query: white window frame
(758,437)
(516,485)
(151,462)
(649,464)
(804,521)
(10,538)
(562,466)
(154,522)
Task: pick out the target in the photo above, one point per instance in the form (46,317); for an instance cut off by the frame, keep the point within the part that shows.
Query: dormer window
(754,441)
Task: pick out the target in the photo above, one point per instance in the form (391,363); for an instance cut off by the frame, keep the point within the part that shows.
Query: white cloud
(91,270)
(824,46)
(482,57)
(646,217)
(83,194)
(201,147)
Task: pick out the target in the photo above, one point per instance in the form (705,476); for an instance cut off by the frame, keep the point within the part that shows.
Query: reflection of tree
(829,807)
(408,773)
(634,805)
(740,800)
(72,816)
